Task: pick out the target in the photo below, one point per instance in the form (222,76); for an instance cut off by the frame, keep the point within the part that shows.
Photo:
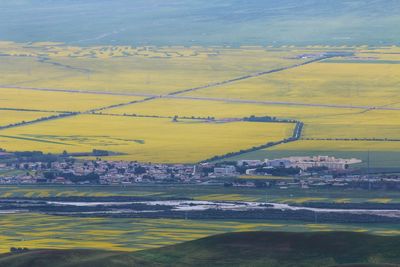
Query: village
(303,172)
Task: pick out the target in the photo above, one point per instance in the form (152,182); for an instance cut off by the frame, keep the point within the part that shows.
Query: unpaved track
(249,76)
(230,100)
(199,98)
(177,94)
(262,102)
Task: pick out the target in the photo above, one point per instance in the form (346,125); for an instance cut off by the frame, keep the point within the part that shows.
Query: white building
(305,163)
(249,162)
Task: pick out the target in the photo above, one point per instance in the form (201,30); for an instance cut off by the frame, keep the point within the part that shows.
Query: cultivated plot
(319,83)
(364,124)
(144,139)
(350,96)
(126,69)
(320,122)
(223,109)
(58,101)
(9,117)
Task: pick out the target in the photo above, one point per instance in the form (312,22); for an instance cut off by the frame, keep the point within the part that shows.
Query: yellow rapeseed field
(8,117)
(143,139)
(58,101)
(129,69)
(369,78)
(319,122)
(326,83)
(222,109)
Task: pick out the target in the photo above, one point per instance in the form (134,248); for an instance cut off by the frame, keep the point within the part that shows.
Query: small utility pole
(368,171)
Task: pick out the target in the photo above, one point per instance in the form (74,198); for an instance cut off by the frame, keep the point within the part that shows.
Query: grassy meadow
(254,248)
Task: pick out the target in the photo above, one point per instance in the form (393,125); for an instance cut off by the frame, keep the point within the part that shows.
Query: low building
(225,171)
(279,163)
(305,163)
(249,162)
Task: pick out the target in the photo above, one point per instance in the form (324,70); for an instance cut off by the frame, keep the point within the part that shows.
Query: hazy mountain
(187,22)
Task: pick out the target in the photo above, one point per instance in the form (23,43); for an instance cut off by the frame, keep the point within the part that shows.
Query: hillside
(268,249)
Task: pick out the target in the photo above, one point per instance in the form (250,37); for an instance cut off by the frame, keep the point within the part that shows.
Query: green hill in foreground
(265,249)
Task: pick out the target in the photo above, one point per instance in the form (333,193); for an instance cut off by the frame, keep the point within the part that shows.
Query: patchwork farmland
(188,104)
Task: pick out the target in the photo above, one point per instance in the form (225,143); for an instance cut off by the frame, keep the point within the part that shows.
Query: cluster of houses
(303,164)
(98,171)
(122,172)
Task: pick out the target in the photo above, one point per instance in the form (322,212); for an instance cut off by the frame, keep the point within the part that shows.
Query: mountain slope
(267,249)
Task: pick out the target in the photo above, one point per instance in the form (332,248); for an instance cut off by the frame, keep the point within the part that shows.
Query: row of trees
(38,120)
(297,132)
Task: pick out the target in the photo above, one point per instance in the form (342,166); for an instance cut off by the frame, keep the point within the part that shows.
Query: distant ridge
(267,249)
